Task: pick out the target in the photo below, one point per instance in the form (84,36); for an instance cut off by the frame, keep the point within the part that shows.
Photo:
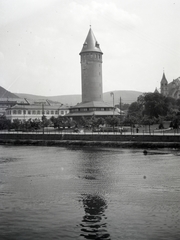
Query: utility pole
(43,116)
(120,110)
(112,95)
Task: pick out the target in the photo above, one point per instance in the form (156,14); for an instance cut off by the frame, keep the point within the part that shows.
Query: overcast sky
(40,41)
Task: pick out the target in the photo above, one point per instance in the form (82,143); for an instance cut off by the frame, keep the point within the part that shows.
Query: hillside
(126,97)
(6,94)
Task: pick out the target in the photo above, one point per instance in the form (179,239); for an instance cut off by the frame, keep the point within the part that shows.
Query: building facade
(25,112)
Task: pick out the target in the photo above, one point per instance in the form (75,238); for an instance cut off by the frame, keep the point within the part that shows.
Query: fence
(84,136)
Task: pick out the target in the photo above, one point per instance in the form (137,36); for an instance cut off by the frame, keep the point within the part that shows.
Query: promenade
(126,139)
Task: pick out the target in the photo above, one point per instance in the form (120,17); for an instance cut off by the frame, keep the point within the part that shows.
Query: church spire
(163,77)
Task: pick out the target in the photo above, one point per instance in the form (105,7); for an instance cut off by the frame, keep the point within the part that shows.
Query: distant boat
(145,152)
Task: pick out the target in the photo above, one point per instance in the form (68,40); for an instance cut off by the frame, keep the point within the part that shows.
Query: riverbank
(76,143)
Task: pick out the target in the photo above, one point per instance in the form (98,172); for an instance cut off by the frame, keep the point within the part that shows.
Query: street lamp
(43,116)
(112,95)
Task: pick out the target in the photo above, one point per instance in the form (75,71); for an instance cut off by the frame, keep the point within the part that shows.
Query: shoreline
(99,140)
(80,143)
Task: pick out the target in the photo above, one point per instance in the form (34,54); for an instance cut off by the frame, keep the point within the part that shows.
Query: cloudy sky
(40,41)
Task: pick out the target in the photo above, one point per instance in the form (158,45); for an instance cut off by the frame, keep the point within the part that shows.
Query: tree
(155,105)
(146,120)
(84,122)
(135,109)
(112,121)
(4,123)
(16,124)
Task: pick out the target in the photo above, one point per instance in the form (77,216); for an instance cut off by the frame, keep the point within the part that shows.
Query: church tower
(164,86)
(91,69)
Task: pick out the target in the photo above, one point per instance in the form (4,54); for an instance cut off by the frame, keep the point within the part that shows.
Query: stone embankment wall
(92,139)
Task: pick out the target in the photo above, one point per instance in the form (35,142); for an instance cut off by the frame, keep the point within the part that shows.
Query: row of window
(90,109)
(91,55)
(35,112)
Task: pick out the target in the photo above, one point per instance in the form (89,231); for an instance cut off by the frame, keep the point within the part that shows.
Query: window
(19,111)
(24,111)
(47,112)
(56,112)
(29,112)
(52,112)
(14,111)
(62,112)
(33,112)
(38,112)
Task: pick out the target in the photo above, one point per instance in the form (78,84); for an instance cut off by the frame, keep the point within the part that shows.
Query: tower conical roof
(91,44)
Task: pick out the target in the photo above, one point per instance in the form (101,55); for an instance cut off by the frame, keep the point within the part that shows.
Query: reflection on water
(95,184)
(94,225)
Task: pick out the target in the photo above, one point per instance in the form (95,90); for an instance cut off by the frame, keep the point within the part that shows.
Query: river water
(88,193)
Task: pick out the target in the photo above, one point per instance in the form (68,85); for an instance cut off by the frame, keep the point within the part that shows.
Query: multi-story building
(9,102)
(25,112)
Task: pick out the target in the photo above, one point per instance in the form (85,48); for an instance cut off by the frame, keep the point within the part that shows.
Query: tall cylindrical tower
(91,69)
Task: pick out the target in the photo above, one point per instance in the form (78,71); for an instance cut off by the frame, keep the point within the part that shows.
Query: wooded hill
(71,100)
(6,94)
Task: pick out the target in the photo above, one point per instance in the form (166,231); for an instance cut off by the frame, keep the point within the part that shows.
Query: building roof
(13,100)
(39,107)
(93,104)
(91,44)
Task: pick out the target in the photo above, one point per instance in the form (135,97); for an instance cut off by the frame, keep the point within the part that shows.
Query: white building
(25,112)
